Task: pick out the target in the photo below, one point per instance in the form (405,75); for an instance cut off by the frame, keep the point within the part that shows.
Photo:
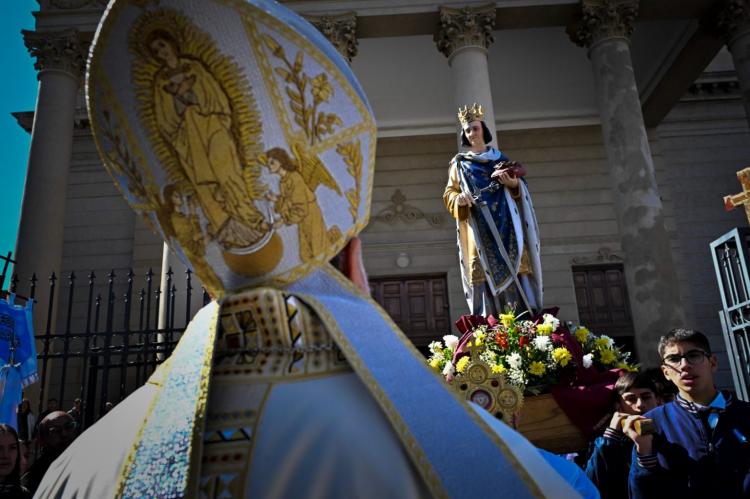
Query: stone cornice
(465,27)
(59,50)
(731,19)
(602,19)
(25,119)
(340,30)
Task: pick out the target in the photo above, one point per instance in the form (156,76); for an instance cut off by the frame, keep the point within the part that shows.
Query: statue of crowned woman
(498,236)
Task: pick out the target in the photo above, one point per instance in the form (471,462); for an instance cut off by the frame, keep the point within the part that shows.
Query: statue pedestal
(545,424)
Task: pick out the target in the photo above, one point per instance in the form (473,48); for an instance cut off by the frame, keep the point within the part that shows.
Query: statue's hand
(505,178)
(465,199)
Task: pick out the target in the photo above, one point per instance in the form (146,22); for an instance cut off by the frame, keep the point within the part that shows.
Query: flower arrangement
(532,355)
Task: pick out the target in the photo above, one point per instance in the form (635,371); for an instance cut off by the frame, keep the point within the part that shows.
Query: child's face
(638,401)
(689,367)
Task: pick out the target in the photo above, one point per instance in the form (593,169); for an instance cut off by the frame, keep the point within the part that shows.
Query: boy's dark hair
(486,135)
(680,335)
(629,381)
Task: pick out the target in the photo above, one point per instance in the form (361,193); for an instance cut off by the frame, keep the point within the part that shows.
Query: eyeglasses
(693,357)
(56,429)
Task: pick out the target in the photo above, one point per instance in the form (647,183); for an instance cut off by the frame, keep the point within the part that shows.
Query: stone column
(463,37)
(652,282)
(340,30)
(733,23)
(60,60)
(179,282)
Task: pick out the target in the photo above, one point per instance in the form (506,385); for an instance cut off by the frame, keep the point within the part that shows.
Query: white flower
(451,341)
(487,356)
(449,370)
(542,342)
(516,377)
(436,347)
(551,319)
(514,360)
(588,359)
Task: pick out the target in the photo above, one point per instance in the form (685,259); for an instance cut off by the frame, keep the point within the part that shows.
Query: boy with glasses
(700,445)
(609,464)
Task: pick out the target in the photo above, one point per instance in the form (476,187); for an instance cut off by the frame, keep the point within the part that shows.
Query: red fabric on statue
(465,325)
(586,404)
(586,396)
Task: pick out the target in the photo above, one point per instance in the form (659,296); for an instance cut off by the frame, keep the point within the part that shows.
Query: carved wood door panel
(602,298)
(417,304)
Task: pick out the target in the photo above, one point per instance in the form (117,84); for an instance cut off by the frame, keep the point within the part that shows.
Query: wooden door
(602,298)
(417,304)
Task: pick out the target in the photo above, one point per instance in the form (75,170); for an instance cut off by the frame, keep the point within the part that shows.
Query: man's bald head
(56,431)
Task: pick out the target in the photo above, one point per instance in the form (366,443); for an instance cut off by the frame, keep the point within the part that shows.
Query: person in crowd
(52,406)
(10,465)
(700,446)
(26,458)
(609,464)
(26,421)
(56,432)
(76,412)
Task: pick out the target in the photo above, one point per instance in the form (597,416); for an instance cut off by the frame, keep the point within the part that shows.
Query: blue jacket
(693,460)
(609,464)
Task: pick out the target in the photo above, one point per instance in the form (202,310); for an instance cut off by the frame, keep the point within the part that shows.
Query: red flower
(523,341)
(502,340)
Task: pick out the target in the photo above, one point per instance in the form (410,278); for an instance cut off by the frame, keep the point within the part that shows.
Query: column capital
(341,31)
(60,50)
(602,19)
(465,27)
(731,18)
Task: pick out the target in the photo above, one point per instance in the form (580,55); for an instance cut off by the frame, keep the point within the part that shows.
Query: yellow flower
(607,356)
(544,329)
(507,319)
(537,368)
(582,334)
(562,356)
(479,338)
(462,363)
(498,368)
(435,364)
(601,343)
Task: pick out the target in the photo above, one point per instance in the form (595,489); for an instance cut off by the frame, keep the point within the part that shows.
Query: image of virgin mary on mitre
(243,138)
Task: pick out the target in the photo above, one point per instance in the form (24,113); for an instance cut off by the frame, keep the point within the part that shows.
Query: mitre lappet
(243,138)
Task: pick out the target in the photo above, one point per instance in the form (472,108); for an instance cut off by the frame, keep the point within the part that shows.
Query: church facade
(631,120)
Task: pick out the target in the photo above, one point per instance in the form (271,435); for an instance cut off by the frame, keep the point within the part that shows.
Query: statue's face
(475,134)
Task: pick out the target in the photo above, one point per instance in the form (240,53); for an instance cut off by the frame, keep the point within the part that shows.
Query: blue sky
(17,93)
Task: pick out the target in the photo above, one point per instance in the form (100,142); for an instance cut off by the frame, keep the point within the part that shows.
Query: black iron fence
(102,338)
(731,256)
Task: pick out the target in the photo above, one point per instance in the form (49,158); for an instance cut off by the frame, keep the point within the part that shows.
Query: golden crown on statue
(469,114)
